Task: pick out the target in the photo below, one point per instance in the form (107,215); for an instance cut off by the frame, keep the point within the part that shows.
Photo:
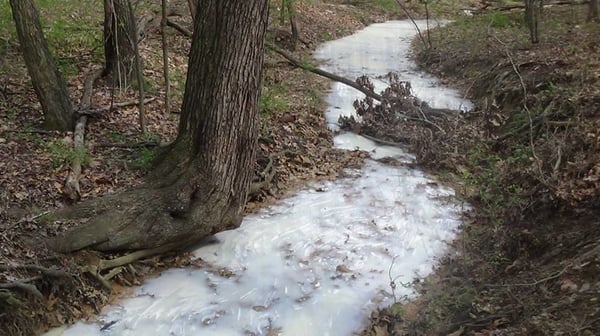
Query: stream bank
(319,262)
(527,159)
(34,163)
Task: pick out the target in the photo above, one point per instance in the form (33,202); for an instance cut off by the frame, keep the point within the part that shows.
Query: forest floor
(40,289)
(528,259)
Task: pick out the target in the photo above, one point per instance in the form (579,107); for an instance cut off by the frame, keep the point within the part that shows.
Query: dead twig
(93,112)
(536,282)
(407,12)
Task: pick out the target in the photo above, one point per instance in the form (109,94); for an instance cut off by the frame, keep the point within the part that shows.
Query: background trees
(200,183)
(120,39)
(47,81)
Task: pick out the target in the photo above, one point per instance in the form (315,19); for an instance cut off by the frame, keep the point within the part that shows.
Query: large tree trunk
(120,37)
(193,4)
(200,184)
(47,81)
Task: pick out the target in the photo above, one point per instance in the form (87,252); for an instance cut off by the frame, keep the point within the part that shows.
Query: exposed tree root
(30,267)
(179,28)
(383,142)
(144,144)
(132,257)
(267,174)
(26,284)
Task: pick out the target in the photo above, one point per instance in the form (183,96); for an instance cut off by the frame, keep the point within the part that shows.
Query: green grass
(71,28)
(145,159)
(272,99)
(61,154)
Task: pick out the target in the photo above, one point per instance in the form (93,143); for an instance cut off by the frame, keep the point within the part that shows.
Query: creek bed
(319,262)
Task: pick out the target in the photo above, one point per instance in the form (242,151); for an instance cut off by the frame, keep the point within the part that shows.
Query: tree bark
(48,83)
(593,11)
(193,4)
(200,183)
(165,50)
(291,9)
(120,37)
(532,17)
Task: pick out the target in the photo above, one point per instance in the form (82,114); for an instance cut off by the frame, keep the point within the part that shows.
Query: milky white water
(319,262)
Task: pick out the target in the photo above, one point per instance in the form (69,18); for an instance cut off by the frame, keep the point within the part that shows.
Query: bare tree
(120,38)
(165,47)
(200,182)
(533,10)
(593,11)
(49,85)
(288,10)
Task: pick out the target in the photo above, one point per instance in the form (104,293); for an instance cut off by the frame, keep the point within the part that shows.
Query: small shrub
(145,159)
(273,99)
(60,154)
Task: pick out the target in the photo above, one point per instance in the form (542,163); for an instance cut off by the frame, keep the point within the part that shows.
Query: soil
(40,289)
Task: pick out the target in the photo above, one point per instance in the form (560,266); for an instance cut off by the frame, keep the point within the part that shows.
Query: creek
(319,262)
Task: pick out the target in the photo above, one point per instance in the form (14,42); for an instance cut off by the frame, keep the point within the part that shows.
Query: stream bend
(320,261)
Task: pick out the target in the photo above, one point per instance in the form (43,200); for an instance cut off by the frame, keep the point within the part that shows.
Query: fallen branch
(381,141)
(92,112)
(324,73)
(548,4)
(296,63)
(126,145)
(179,28)
(268,173)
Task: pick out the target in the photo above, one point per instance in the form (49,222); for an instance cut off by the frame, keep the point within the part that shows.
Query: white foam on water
(375,51)
(319,262)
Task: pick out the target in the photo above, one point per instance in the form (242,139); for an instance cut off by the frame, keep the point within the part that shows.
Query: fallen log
(507,8)
(71,188)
